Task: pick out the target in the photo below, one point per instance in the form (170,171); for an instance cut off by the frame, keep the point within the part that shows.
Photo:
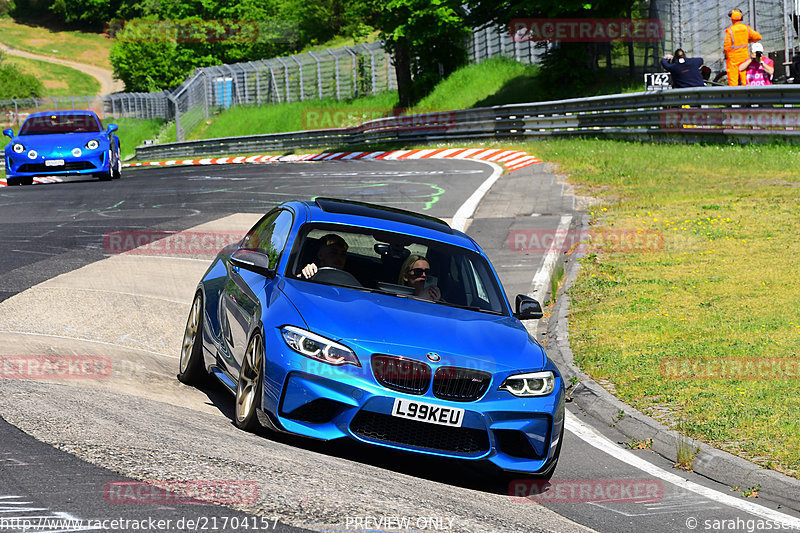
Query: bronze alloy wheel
(192,366)
(248,390)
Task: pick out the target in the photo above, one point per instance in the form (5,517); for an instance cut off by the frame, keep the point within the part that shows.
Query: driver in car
(332,253)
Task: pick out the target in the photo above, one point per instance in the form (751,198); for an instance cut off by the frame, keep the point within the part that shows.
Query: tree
(426,39)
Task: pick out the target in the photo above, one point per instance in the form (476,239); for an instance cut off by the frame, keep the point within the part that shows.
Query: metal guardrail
(714,115)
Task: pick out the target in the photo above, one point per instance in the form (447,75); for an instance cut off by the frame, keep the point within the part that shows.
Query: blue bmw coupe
(56,143)
(338,319)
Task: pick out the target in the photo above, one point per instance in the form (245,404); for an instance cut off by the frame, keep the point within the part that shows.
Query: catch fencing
(714,115)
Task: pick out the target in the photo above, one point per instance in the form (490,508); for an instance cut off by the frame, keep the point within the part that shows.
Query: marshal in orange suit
(737,38)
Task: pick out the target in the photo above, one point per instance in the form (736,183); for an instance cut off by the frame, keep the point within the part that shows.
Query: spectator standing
(758,69)
(685,71)
(737,37)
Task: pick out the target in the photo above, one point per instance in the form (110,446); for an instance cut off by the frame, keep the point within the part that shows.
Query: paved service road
(62,294)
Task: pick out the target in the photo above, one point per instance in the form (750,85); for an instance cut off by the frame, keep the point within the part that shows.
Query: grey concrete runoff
(590,396)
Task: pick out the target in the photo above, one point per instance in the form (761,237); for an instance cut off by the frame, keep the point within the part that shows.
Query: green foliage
(427,40)
(6,6)
(15,84)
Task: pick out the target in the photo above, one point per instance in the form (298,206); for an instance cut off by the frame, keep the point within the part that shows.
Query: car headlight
(18,148)
(531,384)
(317,347)
(76,152)
(91,145)
(33,154)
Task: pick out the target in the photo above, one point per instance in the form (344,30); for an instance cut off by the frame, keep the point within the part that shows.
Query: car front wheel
(192,367)
(248,390)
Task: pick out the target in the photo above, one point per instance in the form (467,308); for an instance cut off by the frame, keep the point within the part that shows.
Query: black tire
(27,180)
(116,173)
(192,369)
(109,174)
(248,387)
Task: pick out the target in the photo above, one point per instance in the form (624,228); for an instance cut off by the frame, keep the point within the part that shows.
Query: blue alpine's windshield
(52,124)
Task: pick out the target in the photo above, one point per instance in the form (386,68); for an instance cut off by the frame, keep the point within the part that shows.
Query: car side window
(270,235)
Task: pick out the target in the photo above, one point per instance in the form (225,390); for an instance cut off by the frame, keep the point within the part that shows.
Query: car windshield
(398,265)
(67,123)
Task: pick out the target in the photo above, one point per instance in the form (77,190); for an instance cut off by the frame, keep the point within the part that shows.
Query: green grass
(89,48)
(58,80)
(723,285)
(294,116)
(133,131)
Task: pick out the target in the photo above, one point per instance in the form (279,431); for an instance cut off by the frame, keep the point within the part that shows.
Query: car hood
(379,323)
(61,141)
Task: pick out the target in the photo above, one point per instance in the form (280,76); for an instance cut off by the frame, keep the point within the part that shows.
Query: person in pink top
(759,68)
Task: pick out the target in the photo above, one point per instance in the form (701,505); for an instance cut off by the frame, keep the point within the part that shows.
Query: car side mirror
(252,260)
(528,308)
(8,132)
(112,128)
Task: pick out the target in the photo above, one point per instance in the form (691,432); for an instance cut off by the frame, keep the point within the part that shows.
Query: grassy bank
(721,288)
(89,48)
(58,80)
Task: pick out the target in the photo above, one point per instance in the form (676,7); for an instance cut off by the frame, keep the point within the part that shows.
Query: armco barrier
(714,115)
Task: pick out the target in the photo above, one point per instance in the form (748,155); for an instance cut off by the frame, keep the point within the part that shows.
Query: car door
(243,295)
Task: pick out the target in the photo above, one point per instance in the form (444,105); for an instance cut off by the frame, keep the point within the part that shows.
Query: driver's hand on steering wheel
(308,271)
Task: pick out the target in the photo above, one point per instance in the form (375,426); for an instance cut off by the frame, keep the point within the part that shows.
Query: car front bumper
(324,402)
(20,165)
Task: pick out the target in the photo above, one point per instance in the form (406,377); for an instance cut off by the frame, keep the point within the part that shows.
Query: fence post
(319,75)
(300,71)
(336,66)
(178,134)
(285,76)
(372,69)
(355,71)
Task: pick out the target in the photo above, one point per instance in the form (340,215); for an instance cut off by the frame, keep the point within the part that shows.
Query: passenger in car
(415,273)
(332,253)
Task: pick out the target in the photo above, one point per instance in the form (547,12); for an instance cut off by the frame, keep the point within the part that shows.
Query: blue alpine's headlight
(18,148)
(317,347)
(33,154)
(530,384)
(91,145)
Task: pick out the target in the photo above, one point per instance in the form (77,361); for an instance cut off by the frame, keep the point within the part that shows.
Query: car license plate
(427,412)
(54,163)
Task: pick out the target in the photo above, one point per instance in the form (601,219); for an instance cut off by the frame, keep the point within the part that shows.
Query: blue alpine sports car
(55,143)
(339,319)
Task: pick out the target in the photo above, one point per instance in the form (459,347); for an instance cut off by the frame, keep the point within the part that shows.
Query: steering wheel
(335,276)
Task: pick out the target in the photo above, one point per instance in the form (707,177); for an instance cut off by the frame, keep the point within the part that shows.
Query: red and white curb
(511,160)
(41,179)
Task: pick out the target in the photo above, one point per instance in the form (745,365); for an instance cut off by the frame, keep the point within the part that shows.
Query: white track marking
(594,438)
(541,281)
(468,208)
